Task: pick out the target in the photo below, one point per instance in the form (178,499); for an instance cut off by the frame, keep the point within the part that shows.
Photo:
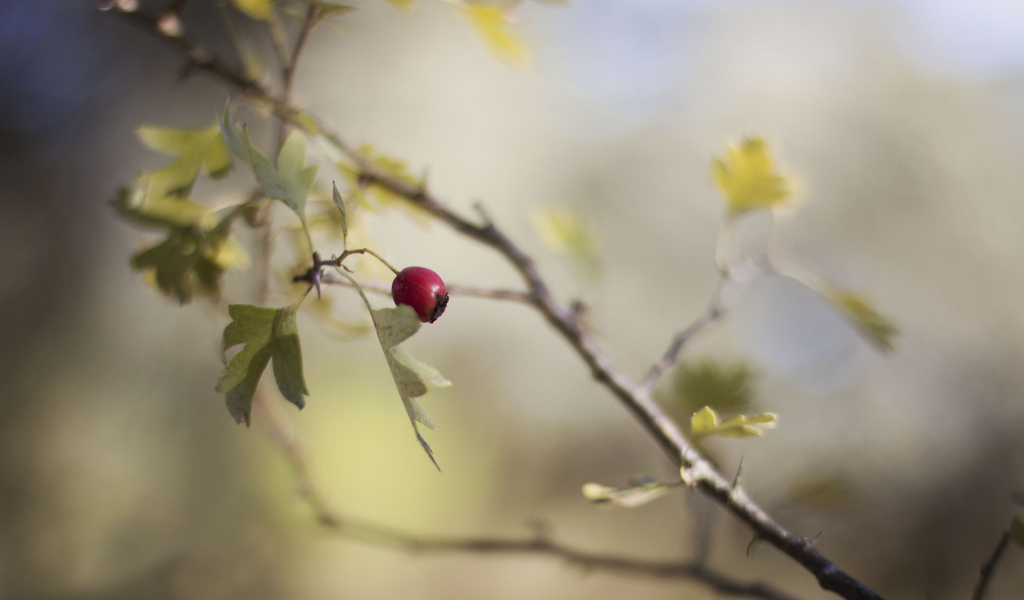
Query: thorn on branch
(753,542)
(739,472)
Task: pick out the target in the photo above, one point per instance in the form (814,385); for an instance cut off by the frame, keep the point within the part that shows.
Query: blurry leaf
(196,251)
(307,123)
(747,179)
(405,5)
(493,25)
(705,422)
(568,232)
(344,218)
(871,325)
(1017,532)
(640,492)
(257,9)
(820,491)
(724,388)
(267,333)
(142,208)
(374,196)
(194,148)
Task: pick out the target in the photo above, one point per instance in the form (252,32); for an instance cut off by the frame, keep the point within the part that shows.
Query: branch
(455,289)
(280,430)
(636,399)
(990,566)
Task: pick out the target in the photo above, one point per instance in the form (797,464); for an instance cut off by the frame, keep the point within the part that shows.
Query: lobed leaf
(268,333)
(746,178)
(291,181)
(195,149)
(413,378)
(705,422)
(196,251)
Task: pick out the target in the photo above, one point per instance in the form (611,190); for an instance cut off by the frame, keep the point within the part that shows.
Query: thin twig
(712,314)
(990,566)
(635,398)
(454,289)
(288,69)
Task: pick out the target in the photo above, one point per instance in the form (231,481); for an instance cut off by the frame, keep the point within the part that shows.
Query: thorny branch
(697,471)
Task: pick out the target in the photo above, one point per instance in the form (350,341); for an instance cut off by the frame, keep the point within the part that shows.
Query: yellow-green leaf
(639,492)
(267,333)
(746,178)
(194,148)
(870,324)
(705,422)
(568,232)
(405,5)
(494,27)
(257,9)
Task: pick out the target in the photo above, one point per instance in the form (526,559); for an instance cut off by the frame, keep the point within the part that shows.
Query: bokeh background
(123,476)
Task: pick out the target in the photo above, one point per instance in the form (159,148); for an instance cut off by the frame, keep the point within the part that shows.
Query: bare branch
(635,398)
(712,314)
(990,566)
(280,430)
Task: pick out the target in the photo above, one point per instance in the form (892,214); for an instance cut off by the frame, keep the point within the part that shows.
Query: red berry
(423,290)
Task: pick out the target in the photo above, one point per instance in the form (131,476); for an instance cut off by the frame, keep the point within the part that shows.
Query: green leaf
(722,387)
(291,181)
(257,9)
(194,149)
(344,217)
(196,251)
(705,422)
(268,333)
(413,378)
(747,179)
(1017,532)
(640,491)
(494,27)
(872,326)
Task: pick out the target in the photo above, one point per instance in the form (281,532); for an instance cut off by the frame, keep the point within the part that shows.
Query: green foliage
(724,388)
(705,422)
(746,178)
(640,491)
(373,195)
(195,148)
(291,181)
(412,377)
(872,326)
(257,9)
(267,333)
(197,250)
(1017,532)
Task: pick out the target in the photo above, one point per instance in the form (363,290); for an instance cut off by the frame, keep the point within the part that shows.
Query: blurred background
(122,475)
